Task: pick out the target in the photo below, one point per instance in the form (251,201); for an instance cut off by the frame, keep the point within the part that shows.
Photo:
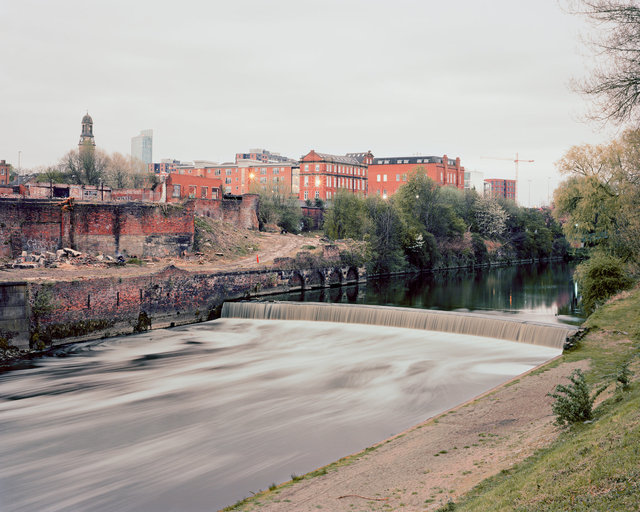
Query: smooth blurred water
(194,418)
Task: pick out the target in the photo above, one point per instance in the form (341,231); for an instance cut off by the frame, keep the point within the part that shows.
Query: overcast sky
(467,78)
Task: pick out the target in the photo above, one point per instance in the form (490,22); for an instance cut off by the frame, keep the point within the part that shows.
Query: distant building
(494,188)
(388,174)
(474,180)
(87,140)
(164,167)
(180,187)
(142,146)
(5,169)
(262,155)
(323,175)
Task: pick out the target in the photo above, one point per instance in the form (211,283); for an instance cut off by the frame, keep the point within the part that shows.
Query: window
(275,179)
(306,167)
(263,170)
(404,177)
(227,190)
(276,170)
(176,191)
(384,178)
(317,167)
(397,177)
(217,172)
(306,181)
(317,194)
(203,192)
(263,179)
(228,172)
(306,195)
(227,181)
(378,178)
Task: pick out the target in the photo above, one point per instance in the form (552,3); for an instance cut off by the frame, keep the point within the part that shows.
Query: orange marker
(257,258)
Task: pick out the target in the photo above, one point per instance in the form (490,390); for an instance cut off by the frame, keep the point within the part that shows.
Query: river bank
(450,457)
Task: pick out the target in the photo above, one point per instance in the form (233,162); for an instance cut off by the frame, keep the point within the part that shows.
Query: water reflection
(543,292)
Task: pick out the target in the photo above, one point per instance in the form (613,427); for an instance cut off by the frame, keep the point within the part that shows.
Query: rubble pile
(49,259)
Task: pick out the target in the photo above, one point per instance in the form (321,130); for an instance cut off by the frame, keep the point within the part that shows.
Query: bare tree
(614,83)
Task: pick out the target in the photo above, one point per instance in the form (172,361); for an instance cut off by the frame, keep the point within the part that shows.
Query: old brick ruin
(92,308)
(135,228)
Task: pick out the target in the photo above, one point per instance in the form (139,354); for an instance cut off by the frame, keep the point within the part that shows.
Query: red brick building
(4,172)
(387,175)
(323,175)
(494,188)
(194,187)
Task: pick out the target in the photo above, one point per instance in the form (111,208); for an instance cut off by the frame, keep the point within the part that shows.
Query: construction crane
(516,160)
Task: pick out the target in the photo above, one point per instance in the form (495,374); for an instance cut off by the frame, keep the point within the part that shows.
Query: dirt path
(425,467)
(267,246)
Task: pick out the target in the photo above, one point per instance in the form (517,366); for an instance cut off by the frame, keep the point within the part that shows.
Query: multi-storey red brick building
(323,175)
(4,172)
(494,187)
(387,175)
(194,187)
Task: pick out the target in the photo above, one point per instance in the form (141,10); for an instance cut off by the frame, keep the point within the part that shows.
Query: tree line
(424,225)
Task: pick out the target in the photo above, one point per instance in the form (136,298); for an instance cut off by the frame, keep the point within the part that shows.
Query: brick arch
(335,277)
(352,274)
(296,280)
(315,278)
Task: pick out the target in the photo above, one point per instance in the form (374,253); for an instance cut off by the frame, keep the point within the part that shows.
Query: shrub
(599,278)
(574,402)
(623,377)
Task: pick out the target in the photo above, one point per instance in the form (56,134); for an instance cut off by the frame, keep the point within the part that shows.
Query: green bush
(599,278)
(574,402)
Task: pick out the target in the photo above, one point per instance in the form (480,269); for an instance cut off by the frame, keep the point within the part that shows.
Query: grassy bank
(594,466)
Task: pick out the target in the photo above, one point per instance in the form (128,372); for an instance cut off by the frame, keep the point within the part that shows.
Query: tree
(614,83)
(347,217)
(384,236)
(490,218)
(86,166)
(600,201)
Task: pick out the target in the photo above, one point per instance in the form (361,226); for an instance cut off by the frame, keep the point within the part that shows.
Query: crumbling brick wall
(140,229)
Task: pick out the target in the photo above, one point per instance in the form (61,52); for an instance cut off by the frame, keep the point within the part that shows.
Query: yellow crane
(516,160)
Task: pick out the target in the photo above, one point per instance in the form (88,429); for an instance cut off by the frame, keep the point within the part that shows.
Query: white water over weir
(473,324)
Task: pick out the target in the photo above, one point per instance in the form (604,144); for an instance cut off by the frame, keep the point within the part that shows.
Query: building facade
(142,147)
(494,188)
(474,180)
(323,175)
(179,187)
(387,175)
(5,170)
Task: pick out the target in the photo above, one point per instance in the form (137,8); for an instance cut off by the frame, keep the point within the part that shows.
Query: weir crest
(535,333)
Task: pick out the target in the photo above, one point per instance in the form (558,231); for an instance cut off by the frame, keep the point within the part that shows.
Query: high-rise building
(142,146)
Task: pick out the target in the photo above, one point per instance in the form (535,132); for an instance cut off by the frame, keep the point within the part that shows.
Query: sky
(482,80)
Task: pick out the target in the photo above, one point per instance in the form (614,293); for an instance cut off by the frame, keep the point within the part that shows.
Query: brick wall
(241,211)
(95,307)
(139,229)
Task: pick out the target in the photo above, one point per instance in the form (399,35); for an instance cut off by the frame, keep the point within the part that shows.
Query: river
(196,417)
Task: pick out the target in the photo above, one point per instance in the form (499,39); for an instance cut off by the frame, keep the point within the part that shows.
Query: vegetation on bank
(593,465)
(424,225)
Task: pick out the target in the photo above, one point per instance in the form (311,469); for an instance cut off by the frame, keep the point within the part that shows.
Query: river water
(195,418)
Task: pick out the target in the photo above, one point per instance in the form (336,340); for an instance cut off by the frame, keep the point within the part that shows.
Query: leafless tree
(614,83)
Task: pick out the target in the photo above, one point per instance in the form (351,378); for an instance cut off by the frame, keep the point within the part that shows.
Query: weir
(535,333)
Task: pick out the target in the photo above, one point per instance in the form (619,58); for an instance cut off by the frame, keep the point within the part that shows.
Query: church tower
(87,142)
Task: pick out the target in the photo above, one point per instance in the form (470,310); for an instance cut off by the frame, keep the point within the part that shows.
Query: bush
(599,278)
(573,402)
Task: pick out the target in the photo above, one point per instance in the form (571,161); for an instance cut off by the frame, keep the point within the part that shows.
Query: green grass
(591,467)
